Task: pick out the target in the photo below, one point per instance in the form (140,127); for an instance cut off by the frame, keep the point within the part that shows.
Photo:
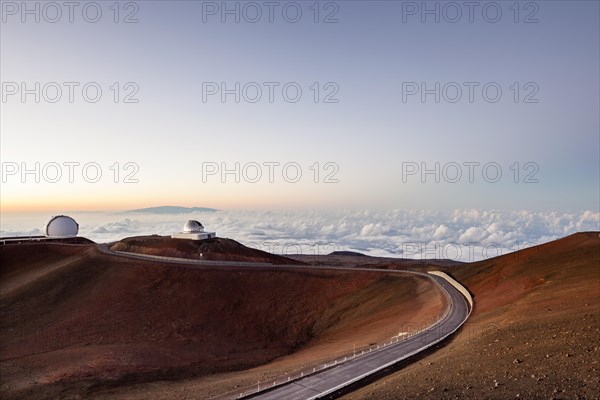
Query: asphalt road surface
(335,377)
(330,380)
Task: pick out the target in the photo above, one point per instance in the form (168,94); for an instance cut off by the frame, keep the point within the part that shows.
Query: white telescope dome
(61,226)
(193,227)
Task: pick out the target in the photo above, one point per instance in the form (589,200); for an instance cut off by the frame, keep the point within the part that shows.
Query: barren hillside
(534,332)
(76,322)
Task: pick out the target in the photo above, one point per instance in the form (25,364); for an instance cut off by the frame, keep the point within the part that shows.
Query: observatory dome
(61,226)
(193,227)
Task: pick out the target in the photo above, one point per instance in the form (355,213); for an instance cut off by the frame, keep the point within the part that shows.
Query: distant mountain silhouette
(348,253)
(170,210)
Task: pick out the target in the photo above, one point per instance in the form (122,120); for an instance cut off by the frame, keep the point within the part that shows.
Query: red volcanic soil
(351,259)
(534,332)
(214,249)
(77,323)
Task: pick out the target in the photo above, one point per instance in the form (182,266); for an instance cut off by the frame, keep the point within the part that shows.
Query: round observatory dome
(193,227)
(61,226)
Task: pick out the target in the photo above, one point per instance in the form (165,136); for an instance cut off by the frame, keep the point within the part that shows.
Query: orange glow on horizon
(230,197)
(85,204)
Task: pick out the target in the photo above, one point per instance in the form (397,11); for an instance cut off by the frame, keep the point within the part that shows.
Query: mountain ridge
(170,210)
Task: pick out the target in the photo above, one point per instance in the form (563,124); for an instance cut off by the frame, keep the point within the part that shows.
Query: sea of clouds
(462,235)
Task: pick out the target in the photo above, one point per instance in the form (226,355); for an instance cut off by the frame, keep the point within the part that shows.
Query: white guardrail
(270,384)
(456,285)
(460,288)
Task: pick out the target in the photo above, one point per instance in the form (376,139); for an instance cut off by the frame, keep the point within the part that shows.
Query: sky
(343,105)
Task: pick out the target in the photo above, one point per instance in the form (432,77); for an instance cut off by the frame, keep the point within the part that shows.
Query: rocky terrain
(78,323)
(534,332)
(213,249)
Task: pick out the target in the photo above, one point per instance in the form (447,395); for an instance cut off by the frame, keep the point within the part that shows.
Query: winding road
(341,374)
(329,381)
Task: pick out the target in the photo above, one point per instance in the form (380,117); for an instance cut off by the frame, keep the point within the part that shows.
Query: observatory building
(55,230)
(193,230)
(61,226)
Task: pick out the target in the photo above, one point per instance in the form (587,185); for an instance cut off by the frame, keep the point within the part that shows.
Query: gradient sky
(368,134)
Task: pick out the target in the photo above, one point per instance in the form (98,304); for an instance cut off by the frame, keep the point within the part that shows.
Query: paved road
(335,377)
(104,248)
(332,379)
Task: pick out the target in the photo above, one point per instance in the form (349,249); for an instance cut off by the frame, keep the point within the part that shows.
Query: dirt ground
(534,332)
(79,324)
(214,249)
(76,323)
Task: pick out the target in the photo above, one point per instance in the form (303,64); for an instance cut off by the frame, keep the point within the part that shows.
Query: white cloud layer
(463,235)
